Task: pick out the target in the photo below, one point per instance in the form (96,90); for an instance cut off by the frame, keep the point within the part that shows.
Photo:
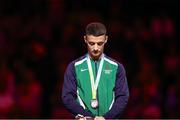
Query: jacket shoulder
(113,61)
(78,61)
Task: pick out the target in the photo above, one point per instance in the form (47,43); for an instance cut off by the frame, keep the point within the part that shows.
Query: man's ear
(106,38)
(85,39)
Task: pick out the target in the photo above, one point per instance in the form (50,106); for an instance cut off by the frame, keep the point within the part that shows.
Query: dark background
(38,38)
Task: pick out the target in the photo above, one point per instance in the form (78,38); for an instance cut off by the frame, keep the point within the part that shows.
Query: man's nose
(95,47)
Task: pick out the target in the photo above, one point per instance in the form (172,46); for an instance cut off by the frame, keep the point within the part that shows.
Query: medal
(94,83)
(94,103)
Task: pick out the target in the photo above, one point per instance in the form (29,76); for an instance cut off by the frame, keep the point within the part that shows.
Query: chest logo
(107,69)
(82,70)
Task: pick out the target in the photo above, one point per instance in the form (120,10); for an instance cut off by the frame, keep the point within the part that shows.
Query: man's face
(95,45)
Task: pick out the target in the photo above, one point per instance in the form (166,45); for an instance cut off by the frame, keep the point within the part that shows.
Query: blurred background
(38,38)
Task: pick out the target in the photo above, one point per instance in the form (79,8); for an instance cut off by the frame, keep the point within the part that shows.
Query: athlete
(95,85)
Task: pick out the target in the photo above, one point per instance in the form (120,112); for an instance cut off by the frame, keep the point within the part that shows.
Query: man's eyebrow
(95,42)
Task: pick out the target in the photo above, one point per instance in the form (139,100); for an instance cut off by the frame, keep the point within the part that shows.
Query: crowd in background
(38,38)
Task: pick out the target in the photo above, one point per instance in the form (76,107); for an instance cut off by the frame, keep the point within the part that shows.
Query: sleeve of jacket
(121,94)
(69,93)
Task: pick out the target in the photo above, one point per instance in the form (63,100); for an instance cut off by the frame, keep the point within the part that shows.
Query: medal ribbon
(94,85)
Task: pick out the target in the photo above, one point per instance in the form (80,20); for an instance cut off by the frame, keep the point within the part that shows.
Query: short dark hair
(95,29)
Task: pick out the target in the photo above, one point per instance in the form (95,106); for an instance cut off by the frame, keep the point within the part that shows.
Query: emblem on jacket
(107,69)
(83,70)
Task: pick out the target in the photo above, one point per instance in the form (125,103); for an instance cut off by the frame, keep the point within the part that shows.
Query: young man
(95,85)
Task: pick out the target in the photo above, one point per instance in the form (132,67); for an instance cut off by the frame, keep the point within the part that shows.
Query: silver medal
(94,103)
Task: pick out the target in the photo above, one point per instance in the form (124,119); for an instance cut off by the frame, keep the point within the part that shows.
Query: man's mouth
(95,52)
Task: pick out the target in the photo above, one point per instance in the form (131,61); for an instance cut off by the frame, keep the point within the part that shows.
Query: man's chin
(96,56)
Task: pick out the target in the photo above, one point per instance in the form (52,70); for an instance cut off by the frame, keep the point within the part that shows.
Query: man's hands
(81,117)
(99,118)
